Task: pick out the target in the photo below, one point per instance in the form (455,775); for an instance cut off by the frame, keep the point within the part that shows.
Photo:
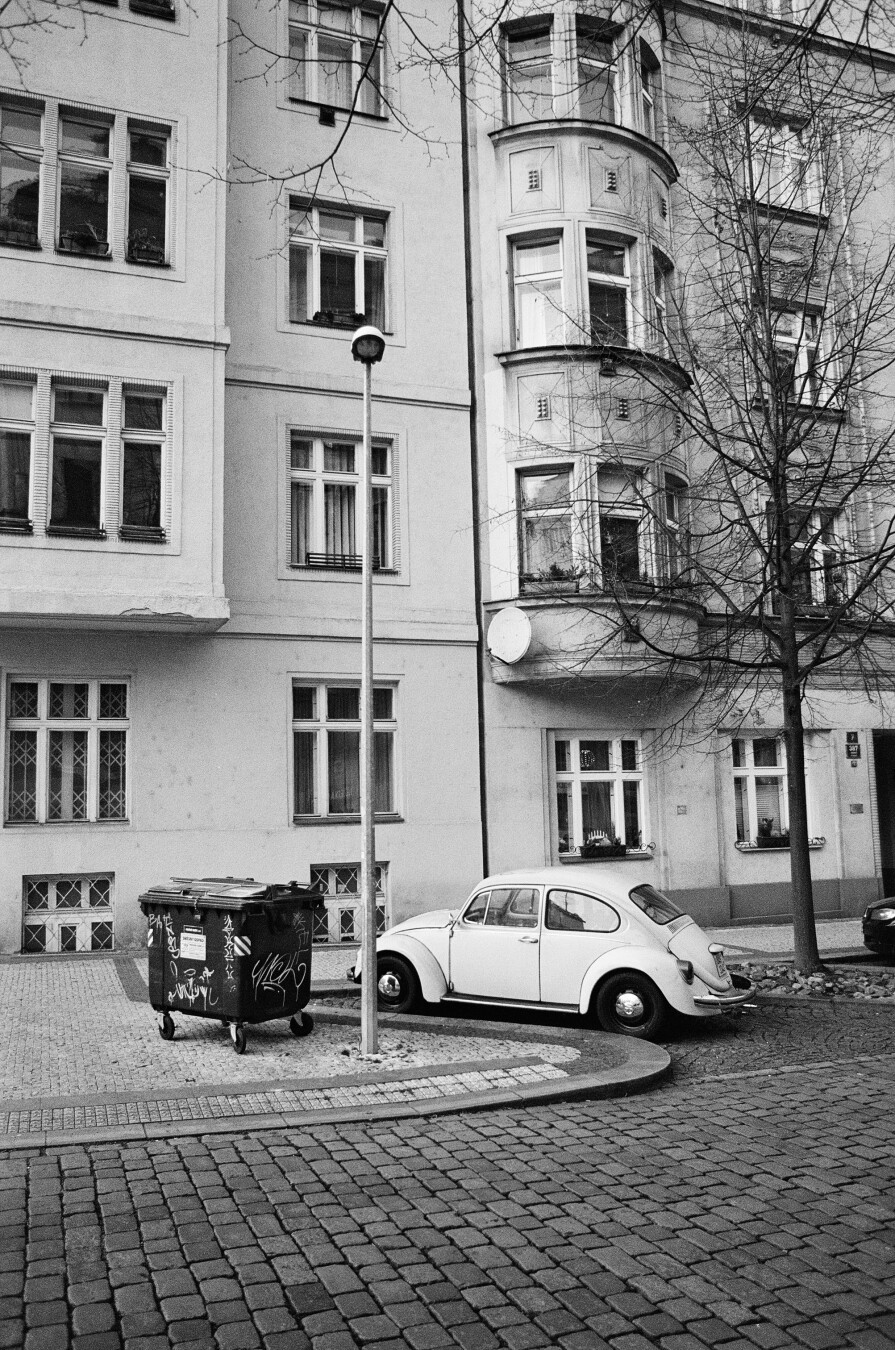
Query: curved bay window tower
(584,471)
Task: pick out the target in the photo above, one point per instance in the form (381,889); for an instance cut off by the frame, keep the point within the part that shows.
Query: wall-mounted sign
(851,737)
(852,752)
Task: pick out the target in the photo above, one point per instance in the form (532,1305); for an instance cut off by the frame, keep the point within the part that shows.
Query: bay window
(545,524)
(337,266)
(21,160)
(608,284)
(326,749)
(595,72)
(620,511)
(649,74)
(16,447)
(538,292)
(674,523)
(599,790)
(333,49)
(529,74)
(324,477)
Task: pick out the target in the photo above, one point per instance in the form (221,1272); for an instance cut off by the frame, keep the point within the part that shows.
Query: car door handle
(528,939)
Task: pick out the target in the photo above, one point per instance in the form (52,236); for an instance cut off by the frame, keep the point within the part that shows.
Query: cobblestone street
(742,1205)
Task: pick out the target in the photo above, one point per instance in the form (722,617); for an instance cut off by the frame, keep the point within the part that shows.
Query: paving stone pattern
(703,1214)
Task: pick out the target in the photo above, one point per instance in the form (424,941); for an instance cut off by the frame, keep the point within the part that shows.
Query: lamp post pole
(367,347)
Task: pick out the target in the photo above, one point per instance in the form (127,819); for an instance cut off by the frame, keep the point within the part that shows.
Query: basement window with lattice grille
(342,918)
(63,912)
(66,750)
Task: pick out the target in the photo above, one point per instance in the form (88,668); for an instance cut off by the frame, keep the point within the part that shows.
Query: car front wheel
(629,1004)
(397,987)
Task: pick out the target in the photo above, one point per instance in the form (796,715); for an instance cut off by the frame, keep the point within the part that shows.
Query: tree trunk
(807,956)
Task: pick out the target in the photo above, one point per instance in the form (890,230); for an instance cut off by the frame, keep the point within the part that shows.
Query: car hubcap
(390,986)
(629,1006)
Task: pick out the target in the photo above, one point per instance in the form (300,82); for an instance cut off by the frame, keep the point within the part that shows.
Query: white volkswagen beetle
(585,941)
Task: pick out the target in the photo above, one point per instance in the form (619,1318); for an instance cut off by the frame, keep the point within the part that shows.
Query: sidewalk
(86,1061)
(835,937)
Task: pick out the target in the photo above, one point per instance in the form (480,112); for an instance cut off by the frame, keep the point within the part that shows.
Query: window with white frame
(66,750)
(16,452)
(342,916)
(326,749)
(759,789)
(537,292)
(819,552)
(78,446)
(68,913)
(337,266)
(560,66)
(148,174)
(803,372)
(528,64)
(620,510)
(85,168)
(545,524)
(649,74)
(21,162)
(783,165)
(674,535)
(599,786)
(595,70)
(661,301)
(608,285)
(324,476)
(333,49)
(144,454)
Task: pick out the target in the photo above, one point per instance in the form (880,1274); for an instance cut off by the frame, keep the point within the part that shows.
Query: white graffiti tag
(229,956)
(192,987)
(275,973)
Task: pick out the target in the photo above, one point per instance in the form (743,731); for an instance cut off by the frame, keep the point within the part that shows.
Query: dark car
(878,924)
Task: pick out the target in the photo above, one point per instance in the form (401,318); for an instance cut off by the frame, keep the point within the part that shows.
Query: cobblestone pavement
(734,1212)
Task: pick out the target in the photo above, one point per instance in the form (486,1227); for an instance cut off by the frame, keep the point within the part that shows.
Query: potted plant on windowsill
(18,232)
(601,846)
(142,247)
(551,580)
(768,838)
(84,239)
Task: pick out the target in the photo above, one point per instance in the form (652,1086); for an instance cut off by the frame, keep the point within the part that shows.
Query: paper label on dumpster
(192,944)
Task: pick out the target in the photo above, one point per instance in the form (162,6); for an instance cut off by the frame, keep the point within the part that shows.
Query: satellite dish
(509,635)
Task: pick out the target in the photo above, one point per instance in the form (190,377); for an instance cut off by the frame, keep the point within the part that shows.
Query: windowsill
(142,534)
(154,11)
(831,412)
(797,214)
(75,532)
(66,824)
(326,569)
(381,818)
(749,846)
(146,262)
(573,859)
(309,103)
(16,527)
(337,327)
(83,253)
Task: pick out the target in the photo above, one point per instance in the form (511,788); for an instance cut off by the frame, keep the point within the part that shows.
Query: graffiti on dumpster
(276,973)
(163,923)
(229,956)
(192,987)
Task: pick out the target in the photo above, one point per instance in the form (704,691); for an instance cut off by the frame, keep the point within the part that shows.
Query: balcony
(600,639)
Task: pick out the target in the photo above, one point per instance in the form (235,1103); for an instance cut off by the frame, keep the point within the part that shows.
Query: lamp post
(367,346)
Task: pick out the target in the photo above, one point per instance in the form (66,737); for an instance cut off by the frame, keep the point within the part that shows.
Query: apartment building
(181,418)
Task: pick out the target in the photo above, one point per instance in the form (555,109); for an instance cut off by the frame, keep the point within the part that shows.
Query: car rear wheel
(629,1004)
(397,987)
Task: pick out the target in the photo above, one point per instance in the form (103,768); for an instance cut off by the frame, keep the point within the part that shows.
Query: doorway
(884,763)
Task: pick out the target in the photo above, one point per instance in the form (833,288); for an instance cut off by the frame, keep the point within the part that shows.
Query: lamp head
(367,345)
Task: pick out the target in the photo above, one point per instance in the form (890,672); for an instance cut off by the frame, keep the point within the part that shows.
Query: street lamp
(367,346)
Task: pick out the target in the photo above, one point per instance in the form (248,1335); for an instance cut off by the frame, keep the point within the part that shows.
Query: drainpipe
(473,429)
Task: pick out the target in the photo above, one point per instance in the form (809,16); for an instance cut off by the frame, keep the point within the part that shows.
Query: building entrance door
(884,760)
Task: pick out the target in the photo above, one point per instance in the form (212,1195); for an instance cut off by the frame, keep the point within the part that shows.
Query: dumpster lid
(226,892)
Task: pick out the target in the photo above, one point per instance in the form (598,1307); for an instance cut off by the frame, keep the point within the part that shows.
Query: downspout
(473,427)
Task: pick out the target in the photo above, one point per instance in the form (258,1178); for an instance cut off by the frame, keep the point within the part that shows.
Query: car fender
(433,985)
(660,967)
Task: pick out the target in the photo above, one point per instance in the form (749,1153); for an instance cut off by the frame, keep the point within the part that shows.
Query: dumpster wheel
(302,1025)
(238,1034)
(166,1027)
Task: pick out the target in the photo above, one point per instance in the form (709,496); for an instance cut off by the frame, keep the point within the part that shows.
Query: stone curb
(643,1066)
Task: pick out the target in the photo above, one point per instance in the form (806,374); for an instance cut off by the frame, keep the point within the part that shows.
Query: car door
(494,945)
(577,929)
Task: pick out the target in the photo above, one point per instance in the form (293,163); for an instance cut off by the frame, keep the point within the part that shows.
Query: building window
(339,884)
(148,172)
(324,517)
(674,533)
(529,74)
(67,913)
(337,267)
(620,511)
(78,435)
(156,9)
(759,789)
(85,167)
(608,283)
(819,552)
(16,446)
(21,159)
(661,297)
(596,72)
(66,751)
(545,525)
(803,373)
(649,74)
(143,458)
(784,171)
(599,791)
(326,749)
(537,292)
(333,48)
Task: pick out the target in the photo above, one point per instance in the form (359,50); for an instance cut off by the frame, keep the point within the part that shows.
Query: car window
(475,912)
(573,912)
(513,907)
(654,904)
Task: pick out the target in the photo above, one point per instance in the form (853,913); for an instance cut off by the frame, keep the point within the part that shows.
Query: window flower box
(145,251)
(773,840)
(84,241)
(602,848)
(19,234)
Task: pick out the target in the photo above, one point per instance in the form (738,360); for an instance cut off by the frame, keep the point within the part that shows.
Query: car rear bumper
(738,997)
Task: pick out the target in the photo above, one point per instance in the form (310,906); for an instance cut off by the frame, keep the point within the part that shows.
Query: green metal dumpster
(231,949)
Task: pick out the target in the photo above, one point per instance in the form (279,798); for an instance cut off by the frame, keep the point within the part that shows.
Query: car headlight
(887,913)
